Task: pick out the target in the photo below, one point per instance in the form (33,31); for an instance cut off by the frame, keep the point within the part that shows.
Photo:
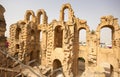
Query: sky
(90,10)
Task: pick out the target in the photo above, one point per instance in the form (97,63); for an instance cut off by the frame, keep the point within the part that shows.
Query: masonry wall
(60,47)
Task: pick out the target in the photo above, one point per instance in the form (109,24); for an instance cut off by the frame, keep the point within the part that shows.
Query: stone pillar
(61,15)
(44,46)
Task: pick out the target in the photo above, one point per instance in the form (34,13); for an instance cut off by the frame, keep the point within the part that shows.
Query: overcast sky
(90,10)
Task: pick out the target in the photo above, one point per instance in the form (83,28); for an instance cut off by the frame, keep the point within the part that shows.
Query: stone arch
(84,27)
(58,36)
(103,26)
(57,68)
(45,18)
(106,26)
(81,65)
(56,64)
(28,14)
(106,37)
(110,22)
(70,12)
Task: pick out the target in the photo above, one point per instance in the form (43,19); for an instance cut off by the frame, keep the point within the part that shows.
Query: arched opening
(69,14)
(66,14)
(29,15)
(58,36)
(40,19)
(41,16)
(82,37)
(57,69)
(18,33)
(106,37)
(108,69)
(81,66)
(56,64)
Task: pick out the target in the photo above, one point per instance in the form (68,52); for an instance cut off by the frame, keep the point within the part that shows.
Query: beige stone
(2,27)
(59,45)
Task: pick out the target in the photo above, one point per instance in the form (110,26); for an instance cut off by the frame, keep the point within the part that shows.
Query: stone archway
(110,27)
(109,22)
(86,30)
(57,69)
(28,14)
(70,12)
(44,17)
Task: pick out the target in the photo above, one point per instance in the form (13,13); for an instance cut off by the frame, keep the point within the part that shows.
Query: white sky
(90,10)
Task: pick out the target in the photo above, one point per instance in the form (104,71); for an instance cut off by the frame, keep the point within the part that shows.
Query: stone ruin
(43,49)
(2,27)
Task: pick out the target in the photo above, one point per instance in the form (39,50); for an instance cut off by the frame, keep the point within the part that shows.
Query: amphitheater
(41,49)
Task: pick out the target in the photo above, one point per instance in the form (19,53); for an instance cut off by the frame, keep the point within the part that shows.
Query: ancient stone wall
(56,45)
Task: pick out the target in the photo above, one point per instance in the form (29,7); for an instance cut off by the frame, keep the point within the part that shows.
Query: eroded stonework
(55,45)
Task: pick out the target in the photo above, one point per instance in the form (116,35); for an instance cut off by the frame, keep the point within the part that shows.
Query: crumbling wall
(59,48)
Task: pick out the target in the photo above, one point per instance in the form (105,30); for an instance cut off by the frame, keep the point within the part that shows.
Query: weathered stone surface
(56,45)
